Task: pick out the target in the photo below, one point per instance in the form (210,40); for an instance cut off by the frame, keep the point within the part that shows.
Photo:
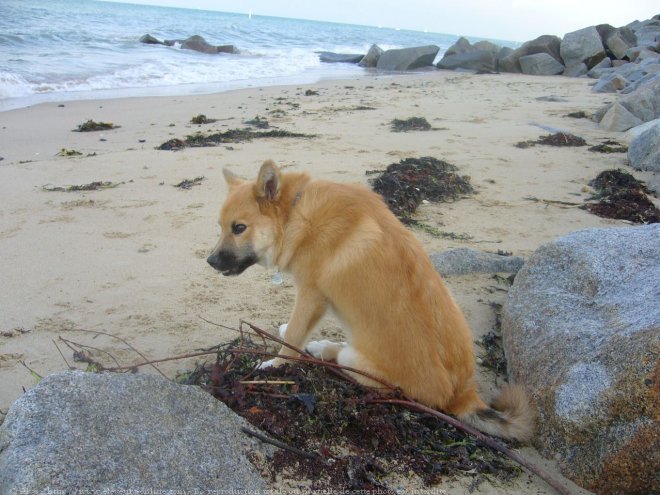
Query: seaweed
(91,126)
(92,186)
(411,124)
(202,119)
(339,436)
(578,115)
(619,195)
(200,139)
(556,139)
(258,122)
(609,146)
(406,184)
(188,183)
(493,357)
(66,152)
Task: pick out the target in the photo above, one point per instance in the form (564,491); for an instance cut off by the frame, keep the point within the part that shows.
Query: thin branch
(62,354)
(162,360)
(281,445)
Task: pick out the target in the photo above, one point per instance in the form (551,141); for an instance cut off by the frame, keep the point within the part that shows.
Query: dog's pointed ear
(268,181)
(231,178)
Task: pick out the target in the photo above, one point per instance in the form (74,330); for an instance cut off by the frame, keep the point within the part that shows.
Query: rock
(581,330)
(372,56)
(408,58)
(644,102)
(479,60)
(540,64)
(600,68)
(81,432)
(342,58)
(463,261)
(644,149)
(150,40)
(611,83)
(618,119)
(619,41)
(583,45)
(648,34)
(636,131)
(462,45)
(578,70)
(487,46)
(543,44)
(199,44)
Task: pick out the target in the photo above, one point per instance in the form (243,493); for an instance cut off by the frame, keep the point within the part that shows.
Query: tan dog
(348,252)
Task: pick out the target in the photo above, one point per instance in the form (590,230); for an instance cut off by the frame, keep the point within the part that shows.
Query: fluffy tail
(509,416)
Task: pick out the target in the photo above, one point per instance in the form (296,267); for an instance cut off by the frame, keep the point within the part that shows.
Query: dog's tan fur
(347,252)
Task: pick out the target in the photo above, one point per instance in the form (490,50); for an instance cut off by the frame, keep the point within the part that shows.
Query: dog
(348,253)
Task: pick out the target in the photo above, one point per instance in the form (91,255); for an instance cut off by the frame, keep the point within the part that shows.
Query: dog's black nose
(214,261)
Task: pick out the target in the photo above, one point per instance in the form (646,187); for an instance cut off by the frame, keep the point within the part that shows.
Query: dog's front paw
(271,363)
(324,349)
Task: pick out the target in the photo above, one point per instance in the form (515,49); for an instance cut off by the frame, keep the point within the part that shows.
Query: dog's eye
(238,228)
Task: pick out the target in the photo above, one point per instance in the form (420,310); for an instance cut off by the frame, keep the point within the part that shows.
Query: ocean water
(52,50)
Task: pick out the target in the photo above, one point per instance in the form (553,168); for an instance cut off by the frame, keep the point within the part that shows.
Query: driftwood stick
(282,445)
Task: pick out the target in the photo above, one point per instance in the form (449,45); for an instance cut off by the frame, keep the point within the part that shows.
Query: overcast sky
(515,20)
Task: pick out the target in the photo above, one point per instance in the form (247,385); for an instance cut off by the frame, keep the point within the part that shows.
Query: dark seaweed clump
(609,147)
(202,119)
(353,441)
(406,184)
(231,136)
(188,183)
(411,124)
(621,196)
(556,139)
(91,126)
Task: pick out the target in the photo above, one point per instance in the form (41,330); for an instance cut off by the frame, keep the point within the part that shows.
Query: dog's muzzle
(228,263)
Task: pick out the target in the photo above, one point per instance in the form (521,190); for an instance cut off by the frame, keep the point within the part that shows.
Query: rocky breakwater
(196,43)
(581,332)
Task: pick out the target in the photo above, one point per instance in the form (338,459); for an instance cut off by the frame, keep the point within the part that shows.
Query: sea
(58,50)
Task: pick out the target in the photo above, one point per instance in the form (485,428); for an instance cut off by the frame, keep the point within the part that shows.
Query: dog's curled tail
(509,416)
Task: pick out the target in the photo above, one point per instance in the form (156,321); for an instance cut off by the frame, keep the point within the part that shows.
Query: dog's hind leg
(310,307)
(348,356)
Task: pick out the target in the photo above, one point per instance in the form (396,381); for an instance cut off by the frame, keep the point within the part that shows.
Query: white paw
(271,363)
(316,347)
(283,330)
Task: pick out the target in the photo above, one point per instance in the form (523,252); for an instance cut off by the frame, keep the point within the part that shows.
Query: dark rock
(81,432)
(540,64)
(581,330)
(372,56)
(341,58)
(583,45)
(199,44)
(600,68)
(644,149)
(543,44)
(150,40)
(478,60)
(408,58)
(463,261)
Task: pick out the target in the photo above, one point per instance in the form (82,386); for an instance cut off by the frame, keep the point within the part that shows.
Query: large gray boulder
(540,64)
(648,33)
(635,108)
(340,58)
(543,44)
(408,58)
(581,332)
(644,149)
(81,432)
(478,60)
(583,45)
(620,41)
(463,261)
(371,58)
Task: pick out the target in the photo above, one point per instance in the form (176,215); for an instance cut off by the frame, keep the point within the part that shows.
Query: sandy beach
(130,260)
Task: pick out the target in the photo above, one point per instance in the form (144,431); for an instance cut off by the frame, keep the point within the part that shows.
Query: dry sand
(130,260)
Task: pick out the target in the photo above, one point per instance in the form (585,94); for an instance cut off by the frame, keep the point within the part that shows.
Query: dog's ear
(268,182)
(231,178)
